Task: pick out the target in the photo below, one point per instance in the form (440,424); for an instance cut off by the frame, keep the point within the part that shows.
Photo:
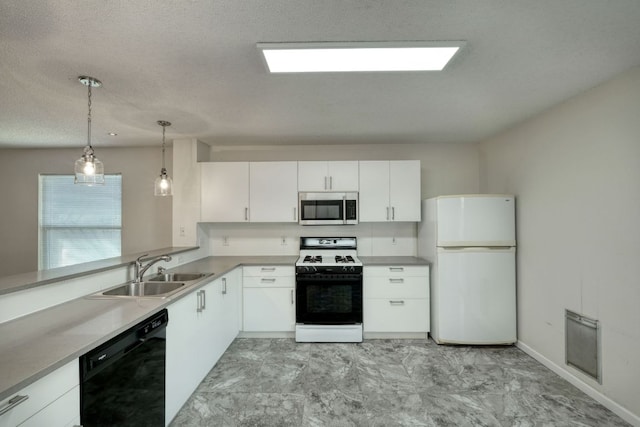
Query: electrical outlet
(181,231)
(225,240)
(394,241)
(283,241)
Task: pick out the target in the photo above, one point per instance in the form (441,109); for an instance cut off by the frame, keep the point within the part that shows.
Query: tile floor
(277,382)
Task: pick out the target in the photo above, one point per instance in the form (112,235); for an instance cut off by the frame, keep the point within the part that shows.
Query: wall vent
(582,344)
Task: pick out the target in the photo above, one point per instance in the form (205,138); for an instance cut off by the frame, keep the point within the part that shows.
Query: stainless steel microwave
(328,208)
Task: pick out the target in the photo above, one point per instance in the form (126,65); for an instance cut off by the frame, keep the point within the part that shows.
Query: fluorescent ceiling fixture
(357,57)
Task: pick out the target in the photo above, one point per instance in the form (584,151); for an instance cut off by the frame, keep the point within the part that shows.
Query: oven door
(329,299)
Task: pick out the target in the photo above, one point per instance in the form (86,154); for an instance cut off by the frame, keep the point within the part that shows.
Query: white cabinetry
(201,327)
(224,192)
(268,299)
(328,176)
(396,299)
(53,400)
(273,191)
(249,191)
(389,191)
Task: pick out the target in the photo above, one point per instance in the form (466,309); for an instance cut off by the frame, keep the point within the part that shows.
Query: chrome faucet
(139,269)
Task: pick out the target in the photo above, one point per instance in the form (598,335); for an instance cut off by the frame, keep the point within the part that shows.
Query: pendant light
(163,185)
(88,169)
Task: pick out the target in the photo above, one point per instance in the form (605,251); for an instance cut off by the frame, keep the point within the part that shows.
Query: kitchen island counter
(36,344)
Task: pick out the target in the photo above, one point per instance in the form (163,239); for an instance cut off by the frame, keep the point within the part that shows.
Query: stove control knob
(344,268)
(352,269)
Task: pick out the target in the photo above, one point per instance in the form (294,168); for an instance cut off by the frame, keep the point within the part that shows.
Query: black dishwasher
(122,382)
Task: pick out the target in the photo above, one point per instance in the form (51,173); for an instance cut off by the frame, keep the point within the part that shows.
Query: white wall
(146,219)
(575,170)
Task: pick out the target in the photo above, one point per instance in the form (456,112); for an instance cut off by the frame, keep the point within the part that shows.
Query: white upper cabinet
(389,191)
(328,176)
(224,192)
(273,191)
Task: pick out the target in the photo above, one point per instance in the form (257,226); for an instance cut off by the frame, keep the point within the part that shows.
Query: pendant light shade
(164,184)
(88,169)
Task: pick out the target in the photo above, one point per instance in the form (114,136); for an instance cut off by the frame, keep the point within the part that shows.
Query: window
(78,223)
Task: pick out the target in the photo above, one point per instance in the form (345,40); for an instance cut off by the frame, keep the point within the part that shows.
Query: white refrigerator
(471,242)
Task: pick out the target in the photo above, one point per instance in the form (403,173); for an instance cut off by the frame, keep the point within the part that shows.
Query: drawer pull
(396,280)
(13,402)
(397,302)
(396,269)
(268,279)
(267,269)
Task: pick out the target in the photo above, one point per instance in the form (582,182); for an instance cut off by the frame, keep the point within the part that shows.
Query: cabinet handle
(393,213)
(204,299)
(224,286)
(268,279)
(387,213)
(397,302)
(246,214)
(292,302)
(199,301)
(394,280)
(325,183)
(13,402)
(330,183)
(295,214)
(268,269)
(396,269)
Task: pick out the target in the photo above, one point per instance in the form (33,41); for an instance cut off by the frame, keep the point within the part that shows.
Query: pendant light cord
(164,127)
(89,119)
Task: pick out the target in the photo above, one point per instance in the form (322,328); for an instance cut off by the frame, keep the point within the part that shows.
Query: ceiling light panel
(357,57)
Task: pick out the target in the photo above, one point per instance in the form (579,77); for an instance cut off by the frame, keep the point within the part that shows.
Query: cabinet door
(273,191)
(396,315)
(224,189)
(343,175)
(313,176)
(64,411)
(182,347)
(53,400)
(222,316)
(404,190)
(328,176)
(268,309)
(374,191)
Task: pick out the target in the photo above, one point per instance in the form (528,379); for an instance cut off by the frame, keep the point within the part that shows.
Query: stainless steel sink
(146,289)
(177,277)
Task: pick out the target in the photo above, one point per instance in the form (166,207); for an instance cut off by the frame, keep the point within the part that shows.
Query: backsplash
(374,239)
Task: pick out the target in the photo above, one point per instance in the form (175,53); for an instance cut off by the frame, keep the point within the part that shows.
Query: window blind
(78,223)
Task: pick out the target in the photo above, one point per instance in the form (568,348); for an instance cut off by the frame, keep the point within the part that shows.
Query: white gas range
(328,290)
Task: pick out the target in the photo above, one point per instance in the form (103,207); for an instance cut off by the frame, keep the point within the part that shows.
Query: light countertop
(35,345)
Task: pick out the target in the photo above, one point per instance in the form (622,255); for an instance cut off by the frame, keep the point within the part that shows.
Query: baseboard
(395,335)
(614,407)
(244,334)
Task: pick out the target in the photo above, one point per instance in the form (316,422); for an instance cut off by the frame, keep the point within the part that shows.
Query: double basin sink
(158,286)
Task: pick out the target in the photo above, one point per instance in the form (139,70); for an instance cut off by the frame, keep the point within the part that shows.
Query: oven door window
(321,210)
(334,301)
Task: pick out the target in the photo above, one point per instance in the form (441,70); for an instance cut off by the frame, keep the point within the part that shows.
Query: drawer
(269,282)
(396,270)
(268,270)
(42,393)
(396,287)
(396,315)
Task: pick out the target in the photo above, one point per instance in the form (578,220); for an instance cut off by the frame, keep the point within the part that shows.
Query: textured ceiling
(194,63)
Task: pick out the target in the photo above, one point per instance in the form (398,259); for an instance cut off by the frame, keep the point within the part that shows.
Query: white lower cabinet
(53,400)
(396,299)
(268,299)
(201,327)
